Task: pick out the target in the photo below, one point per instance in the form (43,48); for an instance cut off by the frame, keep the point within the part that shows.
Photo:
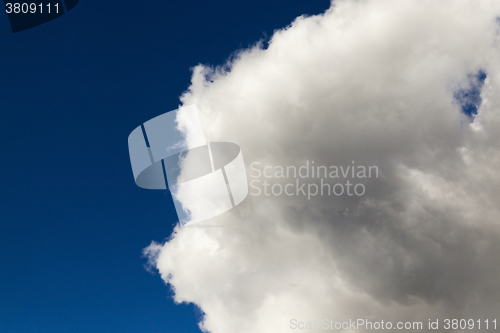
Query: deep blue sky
(72,221)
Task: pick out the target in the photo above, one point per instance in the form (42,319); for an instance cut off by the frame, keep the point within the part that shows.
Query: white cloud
(373,82)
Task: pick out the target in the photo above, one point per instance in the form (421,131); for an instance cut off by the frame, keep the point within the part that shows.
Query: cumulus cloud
(383,83)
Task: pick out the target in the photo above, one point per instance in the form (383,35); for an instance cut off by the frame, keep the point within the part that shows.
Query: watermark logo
(25,15)
(310,179)
(205,178)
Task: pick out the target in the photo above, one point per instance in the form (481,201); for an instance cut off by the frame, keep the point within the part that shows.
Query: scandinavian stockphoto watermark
(310,179)
(368,325)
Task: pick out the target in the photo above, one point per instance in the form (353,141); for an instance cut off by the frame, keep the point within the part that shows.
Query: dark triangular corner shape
(70,4)
(22,21)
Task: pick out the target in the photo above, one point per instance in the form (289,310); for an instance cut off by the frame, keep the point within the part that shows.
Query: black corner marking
(70,4)
(25,15)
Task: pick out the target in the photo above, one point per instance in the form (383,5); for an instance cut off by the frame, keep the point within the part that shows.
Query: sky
(73,223)
(408,89)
